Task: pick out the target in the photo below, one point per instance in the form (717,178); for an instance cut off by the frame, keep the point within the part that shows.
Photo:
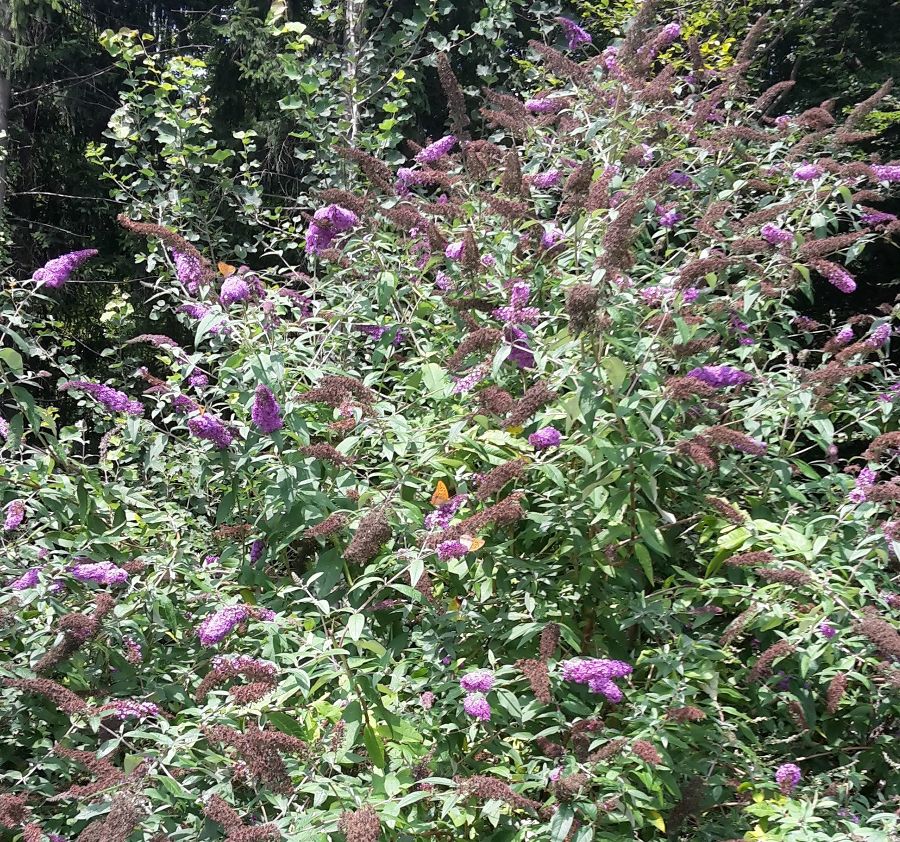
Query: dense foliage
(525,503)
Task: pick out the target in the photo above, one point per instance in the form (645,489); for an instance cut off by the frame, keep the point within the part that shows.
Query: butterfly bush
(690,610)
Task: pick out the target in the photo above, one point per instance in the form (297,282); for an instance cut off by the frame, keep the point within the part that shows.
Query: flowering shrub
(575,540)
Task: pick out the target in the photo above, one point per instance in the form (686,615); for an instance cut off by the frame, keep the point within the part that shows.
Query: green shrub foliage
(532,507)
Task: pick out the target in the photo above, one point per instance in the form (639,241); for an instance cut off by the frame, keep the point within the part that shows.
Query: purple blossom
(112,399)
(195,311)
(838,277)
(610,60)
(783,121)
(451,549)
(188,270)
(879,336)
(234,288)
(787,776)
(681,179)
(256,550)
(134,654)
(326,224)
(440,518)
(210,560)
(183,404)
(454,251)
(210,428)
(476,706)
(218,626)
(575,35)
(598,674)
(886,172)
(54,273)
(720,376)
(876,217)
(864,482)
(827,630)
(488,261)
(668,218)
(126,709)
(4,429)
(807,172)
(480,681)
(844,336)
(15,514)
(670,34)
(102,572)
(443,282)
(550,236)
(516,312)
(690,295)
(776,236)
(198,379)
(544,438)
(266,413)
(436,150)
(540,106)
(27,580)
(547,179)
(427,700)
(520,351)
(472,379)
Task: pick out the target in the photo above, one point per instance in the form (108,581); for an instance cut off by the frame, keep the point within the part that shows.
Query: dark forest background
(263,66)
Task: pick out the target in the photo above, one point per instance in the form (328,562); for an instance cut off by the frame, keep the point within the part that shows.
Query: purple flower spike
(15,514)
(102,572)
(886,172)
(545,438)
(807,172)
(547,179)
(879,336)
(188,270)
(476,706)
(234,289)
(864,482)
(210,428)
(575,35)
(436,150)
(787,776)
(451,549)
(776,236)
(326,224)
(54,273)
(266,412)
(27,580)
(480,681)
(720,376)
(112,399)
(454,250)
(216,628)
(597,674)
(540,106)
(827,630)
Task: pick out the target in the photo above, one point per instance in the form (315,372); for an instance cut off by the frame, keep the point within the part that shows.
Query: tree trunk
(355,11)
(5,99)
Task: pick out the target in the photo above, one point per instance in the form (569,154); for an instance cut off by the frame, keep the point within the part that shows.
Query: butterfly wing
(441,494)
(226,269)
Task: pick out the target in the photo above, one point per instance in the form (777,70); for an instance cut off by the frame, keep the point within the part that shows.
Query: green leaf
(12,359)
(374,747)
(644,560)
(355,626)
(616,371)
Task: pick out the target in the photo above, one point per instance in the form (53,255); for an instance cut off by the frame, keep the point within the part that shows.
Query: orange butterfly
(472,543)
(226,269)
(441,494)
